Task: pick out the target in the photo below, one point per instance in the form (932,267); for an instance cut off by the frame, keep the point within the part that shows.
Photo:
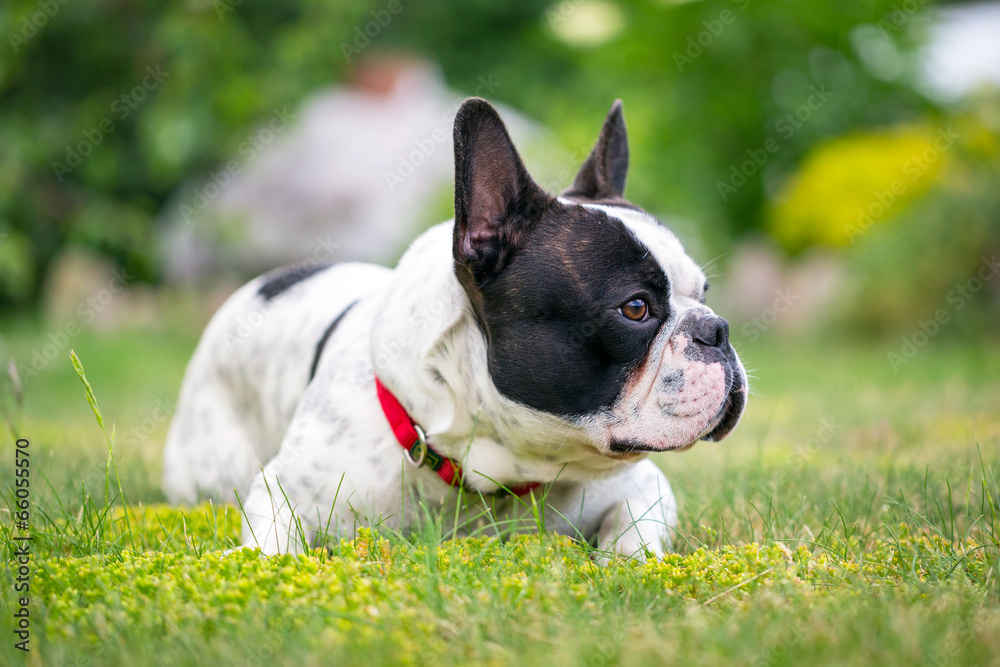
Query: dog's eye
(636,309)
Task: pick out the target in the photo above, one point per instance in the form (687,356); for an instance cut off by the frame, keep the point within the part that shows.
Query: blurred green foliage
(158,93)
(934,267)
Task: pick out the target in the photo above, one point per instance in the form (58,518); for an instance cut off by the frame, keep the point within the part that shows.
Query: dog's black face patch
(546,279)
(557,341)
(281,280)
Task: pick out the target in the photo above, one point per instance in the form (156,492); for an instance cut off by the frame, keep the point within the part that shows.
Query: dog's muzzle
(709,335)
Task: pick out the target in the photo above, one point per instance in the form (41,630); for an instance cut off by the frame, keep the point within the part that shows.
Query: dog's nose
(712,331)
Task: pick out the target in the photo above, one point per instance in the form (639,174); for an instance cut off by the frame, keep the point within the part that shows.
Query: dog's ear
(496,201)
(602,176)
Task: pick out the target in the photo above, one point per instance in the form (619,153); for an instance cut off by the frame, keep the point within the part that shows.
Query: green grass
(854,518)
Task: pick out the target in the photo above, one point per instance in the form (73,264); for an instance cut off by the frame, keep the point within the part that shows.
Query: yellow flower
(848,184)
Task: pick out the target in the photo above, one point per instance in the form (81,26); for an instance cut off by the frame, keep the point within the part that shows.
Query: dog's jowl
(537,344)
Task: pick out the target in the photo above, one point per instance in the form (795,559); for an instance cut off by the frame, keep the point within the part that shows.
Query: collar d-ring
(420,447)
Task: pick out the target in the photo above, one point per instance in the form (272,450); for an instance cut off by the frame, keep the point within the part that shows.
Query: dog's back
(249,372)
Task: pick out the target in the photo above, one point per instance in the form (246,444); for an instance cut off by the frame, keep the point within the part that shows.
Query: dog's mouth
(630,447)
(729,414)
(732,408)
(633,448)
(717,428)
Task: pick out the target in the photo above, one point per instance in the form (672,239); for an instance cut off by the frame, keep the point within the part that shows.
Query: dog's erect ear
(496,201)
(602,176)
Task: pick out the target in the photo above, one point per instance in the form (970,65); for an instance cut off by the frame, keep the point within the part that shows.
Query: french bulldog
(529,354)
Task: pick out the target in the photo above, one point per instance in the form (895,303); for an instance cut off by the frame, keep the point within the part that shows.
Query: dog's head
(590,307)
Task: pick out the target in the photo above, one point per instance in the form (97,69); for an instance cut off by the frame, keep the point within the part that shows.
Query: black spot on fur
(280,280)
(673,381)
(322,341)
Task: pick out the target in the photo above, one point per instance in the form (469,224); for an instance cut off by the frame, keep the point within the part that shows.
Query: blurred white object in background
(963,50)
(354,175)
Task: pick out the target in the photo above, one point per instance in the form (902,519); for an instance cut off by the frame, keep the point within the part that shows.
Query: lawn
(853,518)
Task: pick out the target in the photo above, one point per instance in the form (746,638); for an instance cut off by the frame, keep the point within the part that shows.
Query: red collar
(418,450)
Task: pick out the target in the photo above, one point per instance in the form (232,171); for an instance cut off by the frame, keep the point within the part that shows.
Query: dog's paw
(636,530)
(631,546)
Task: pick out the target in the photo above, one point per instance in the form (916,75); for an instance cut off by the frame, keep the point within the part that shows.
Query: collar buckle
(419,449)
(420,454)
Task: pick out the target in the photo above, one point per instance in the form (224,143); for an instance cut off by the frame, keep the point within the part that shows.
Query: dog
(534,341)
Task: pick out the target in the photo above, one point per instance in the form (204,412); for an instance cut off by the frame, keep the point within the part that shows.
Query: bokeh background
(835,165)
